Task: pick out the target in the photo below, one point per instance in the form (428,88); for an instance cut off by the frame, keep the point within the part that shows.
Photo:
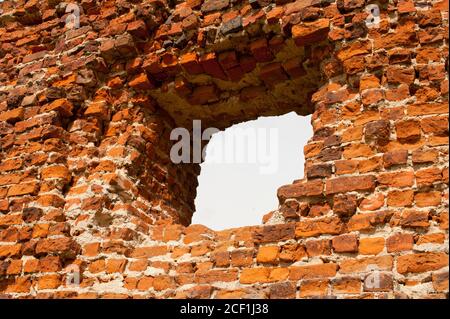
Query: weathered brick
(283,290)
(399,242)
(267,254)
(275,233)
(424,156)
(347,285)
(273,73)
(395,158)
(310,228)
(310,32)
(57,171)
(12,116)
(396,179)
(318,247)
(296,190)
(349,184)
(440,281)
(411,218)
(424,199)
(344,205)
(378,281)
(312,271)
(400,198)
(66,247)
(140,252)
(10,251)
(345,244)
(421,262)
(310,288)
(23,189)
(102,103)
(367,221)
(362,264)
(254,275)
(141,82)
(62,106)
(372,202)
(428,176)
(371,246)
(242,258)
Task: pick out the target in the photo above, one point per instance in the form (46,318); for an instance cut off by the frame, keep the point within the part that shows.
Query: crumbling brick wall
(86,181)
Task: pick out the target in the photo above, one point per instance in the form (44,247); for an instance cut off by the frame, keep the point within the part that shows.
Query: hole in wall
(244,166)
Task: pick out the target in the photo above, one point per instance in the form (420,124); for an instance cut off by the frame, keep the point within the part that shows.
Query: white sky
(239,194)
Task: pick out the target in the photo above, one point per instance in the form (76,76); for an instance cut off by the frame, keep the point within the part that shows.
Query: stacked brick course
(85,173)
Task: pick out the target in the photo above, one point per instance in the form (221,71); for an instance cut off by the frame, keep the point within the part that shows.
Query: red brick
(274,233)
(294,68)
(395,158)
(98,109)
(400,198)
(23,189)
(411,218)
(204,94)
(10,165)
(52,281)
(296,190)
(424,199)
(318,247)
(56,171)
(427,108)
(141,82)
(399,242)
(272,73)
(310,32)
(311,288)
(349,184)
(62,106)
(247,63)
(242,257)
(345,244)
(372,202)
(64,246)
(312,271)
(354,265)
(254,275)
(260,50)
(283,290)
(424,156)
(408,130)
(371,246)
(267,254)
(12,116)
(421,262)
(396,179)
(310,228)
(221,258)
(211,66)
(292,253)
(347,285)
(10,251)
(440,281)
(148,252)
(367,221)
(137,29)
(428,176)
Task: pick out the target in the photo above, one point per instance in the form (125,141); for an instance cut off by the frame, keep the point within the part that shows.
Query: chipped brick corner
(86,182)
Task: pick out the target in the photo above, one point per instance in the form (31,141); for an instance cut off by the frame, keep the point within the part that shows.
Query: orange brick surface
(86,182)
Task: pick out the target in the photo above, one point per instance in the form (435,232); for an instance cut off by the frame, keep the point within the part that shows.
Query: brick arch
(86,180)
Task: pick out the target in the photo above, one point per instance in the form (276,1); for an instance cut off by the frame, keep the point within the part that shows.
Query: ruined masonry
(90,91)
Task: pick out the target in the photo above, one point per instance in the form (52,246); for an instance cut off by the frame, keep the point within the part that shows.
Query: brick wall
(86,181)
